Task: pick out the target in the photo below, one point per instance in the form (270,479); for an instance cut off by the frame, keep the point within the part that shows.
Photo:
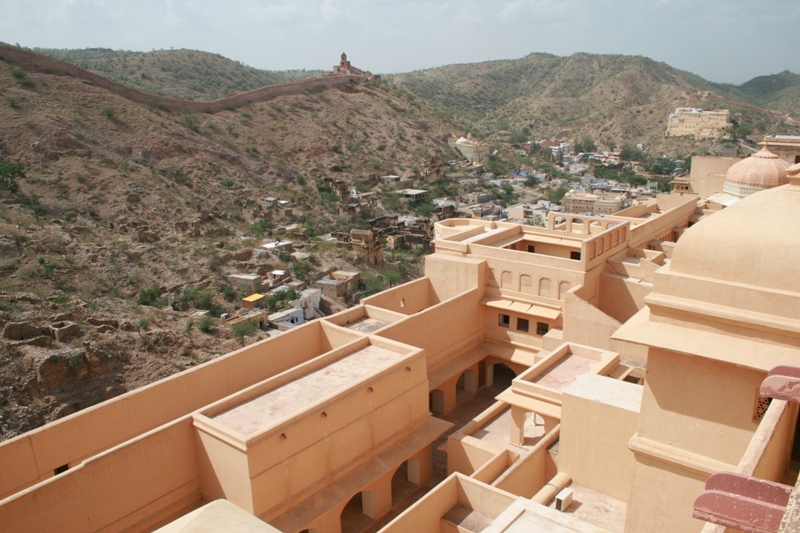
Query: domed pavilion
(763,170)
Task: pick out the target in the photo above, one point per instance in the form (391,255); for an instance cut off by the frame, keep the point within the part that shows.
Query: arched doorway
(501,376)
(353,517)
(402,487)
(436,401)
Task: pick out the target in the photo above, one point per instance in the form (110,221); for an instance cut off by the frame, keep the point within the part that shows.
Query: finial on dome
(765,140)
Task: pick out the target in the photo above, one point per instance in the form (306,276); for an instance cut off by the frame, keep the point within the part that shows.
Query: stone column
(517,435)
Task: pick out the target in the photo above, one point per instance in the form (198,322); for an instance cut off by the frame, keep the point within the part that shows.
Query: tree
(556,195)
(10,172)
(188,326)
(743,131)
(205,323)
(392,277)
(242,330)
(373,284)
(631,153)
(662,166)
(586,144)
(532,181)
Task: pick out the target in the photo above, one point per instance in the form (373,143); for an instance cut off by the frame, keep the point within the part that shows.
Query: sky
(727,41)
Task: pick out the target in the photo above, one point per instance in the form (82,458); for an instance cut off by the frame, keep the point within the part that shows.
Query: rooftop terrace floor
(565,371)
(292,398)
(366,325)
(598,509)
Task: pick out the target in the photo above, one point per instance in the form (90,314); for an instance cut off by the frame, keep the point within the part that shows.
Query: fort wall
(35,62)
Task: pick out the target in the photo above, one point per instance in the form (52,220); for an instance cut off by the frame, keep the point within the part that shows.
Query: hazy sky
(721,40)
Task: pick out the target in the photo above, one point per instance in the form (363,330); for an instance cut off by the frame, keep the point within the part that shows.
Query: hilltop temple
(639,370)
(345,67)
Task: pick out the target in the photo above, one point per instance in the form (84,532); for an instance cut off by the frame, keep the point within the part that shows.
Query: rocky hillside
(777,91)
(122,204)
(619,99)
(186,74)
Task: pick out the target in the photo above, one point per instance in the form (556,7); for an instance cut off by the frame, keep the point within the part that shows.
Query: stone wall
(35,62)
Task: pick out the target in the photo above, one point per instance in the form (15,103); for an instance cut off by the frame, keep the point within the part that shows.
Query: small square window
(522,324)
(504,321)
(531,249)
(575,255)
(542,328)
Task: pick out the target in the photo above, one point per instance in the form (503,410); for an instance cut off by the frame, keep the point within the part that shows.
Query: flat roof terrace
(365,318)
(259,413)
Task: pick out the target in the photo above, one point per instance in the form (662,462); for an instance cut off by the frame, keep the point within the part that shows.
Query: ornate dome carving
(762,170)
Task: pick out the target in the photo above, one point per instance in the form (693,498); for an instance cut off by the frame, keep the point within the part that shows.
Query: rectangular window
(531,249)
(575,255)
(522,324)
(504,321)
(542,328)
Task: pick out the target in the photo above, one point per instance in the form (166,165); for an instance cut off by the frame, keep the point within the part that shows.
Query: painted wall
(114,490)
(443,329)
(696,419)
(408,298)
(595,429)
(707,175)
(699,405)
(622,297)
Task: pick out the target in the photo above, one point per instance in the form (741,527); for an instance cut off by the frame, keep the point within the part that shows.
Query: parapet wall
(36,62)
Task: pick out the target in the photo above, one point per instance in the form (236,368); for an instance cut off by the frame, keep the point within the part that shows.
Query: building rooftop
(275,406)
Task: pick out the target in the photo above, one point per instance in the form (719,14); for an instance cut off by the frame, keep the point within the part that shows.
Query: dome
(462,140)
(755,241)
(763,170)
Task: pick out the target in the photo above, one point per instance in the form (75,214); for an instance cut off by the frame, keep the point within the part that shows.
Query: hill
(624,99)
(185,74)
(125,203)
(777,91)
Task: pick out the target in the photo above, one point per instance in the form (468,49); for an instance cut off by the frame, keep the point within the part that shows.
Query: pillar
(449,389)
(376,498)
(471,379)
(420,466)
(330,522)
(549,423)
(517,435)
